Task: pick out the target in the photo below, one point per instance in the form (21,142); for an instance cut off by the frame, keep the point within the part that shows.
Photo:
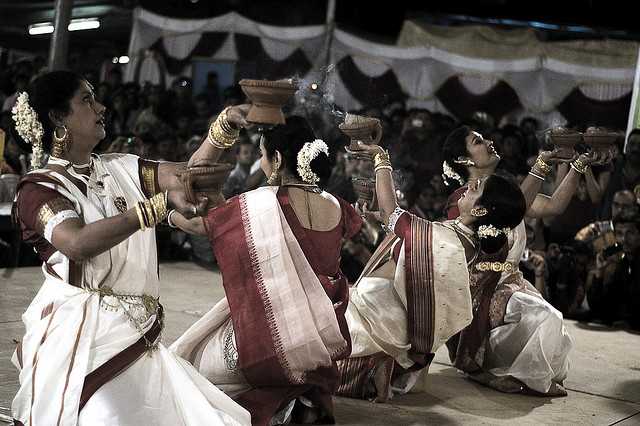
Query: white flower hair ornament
(29,128)
(485,231)
(309,151)
(448,172)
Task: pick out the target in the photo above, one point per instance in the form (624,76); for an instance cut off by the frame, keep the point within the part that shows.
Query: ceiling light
(41,28)
(84,24)
(74,25)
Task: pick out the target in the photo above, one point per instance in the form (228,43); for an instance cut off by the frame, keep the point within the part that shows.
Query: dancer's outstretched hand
(557,155)
(598,157)
(237,115)
(365,213)
(364,151)
(178,201)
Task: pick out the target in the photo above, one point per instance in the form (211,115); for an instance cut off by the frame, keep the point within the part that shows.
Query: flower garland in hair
(448,172)
(29,128)
(309,151)
(485,231)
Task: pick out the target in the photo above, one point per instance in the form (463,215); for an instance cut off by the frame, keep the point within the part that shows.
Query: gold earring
(478,212)
(60,142)
(275,173)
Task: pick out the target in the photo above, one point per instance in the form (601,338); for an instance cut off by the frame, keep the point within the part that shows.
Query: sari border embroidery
(73,357)
(50,210)
(262,291)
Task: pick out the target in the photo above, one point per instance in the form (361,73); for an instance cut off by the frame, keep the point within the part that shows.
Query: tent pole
(60,36)
(330,26)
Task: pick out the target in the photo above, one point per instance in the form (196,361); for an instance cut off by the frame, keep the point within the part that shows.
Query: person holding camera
(615,297)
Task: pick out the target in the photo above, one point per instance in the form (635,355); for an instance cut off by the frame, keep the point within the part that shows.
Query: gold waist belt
(137,307)
(496,267)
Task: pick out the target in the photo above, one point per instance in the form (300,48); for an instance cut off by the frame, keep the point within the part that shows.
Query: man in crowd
(600,233)
(615,297)
(626,173)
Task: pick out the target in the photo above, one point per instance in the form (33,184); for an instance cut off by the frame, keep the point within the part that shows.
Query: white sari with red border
(73,330)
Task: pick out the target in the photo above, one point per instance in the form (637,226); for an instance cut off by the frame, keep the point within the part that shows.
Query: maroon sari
(258,348)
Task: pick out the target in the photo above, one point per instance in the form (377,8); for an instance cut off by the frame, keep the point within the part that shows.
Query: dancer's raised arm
(385,189)
(222,134)
(545,206)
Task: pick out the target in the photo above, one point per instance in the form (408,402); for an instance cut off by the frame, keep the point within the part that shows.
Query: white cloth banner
(541,80)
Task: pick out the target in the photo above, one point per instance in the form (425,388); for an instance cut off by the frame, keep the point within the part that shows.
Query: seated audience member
(615,298)
(580,212)
(568,268)
(625,173)
(600,235)
(340,183)
(512,151)
(236,182)
(203,115)
(10,170)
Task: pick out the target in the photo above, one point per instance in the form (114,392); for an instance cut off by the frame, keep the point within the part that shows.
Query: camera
(612,250)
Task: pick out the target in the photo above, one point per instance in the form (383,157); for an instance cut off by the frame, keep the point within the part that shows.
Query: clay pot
(267,98)
(205,179)
(360,128)
(365,188)
(566,140)
(599,139)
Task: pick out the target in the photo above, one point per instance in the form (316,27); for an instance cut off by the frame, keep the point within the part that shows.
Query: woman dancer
(468,156)
(527,346)
(414,292)
(91,354)
(276,336)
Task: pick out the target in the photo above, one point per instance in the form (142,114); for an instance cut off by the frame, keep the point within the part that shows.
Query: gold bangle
(157,207)
(140,217)
(148,211)
(381,158)
(143,214)
(383,167)
(221,134)
(542,166)
(161,212)
(215,144)
(579,166)
(146,214)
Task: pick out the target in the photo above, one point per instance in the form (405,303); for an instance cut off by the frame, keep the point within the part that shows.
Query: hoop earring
(478,212)
(275,172)
(60,142)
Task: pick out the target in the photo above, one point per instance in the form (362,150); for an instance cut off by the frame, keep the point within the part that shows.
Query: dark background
(375,20)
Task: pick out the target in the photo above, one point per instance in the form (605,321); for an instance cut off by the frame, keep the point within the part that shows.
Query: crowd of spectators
(585,261)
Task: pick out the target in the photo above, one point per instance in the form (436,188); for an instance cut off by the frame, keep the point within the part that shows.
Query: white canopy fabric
(541,73)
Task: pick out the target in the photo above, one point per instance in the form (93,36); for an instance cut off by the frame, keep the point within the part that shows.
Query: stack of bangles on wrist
(579,166)
(152,211)
(540,169)
(221,134)
(381,161)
